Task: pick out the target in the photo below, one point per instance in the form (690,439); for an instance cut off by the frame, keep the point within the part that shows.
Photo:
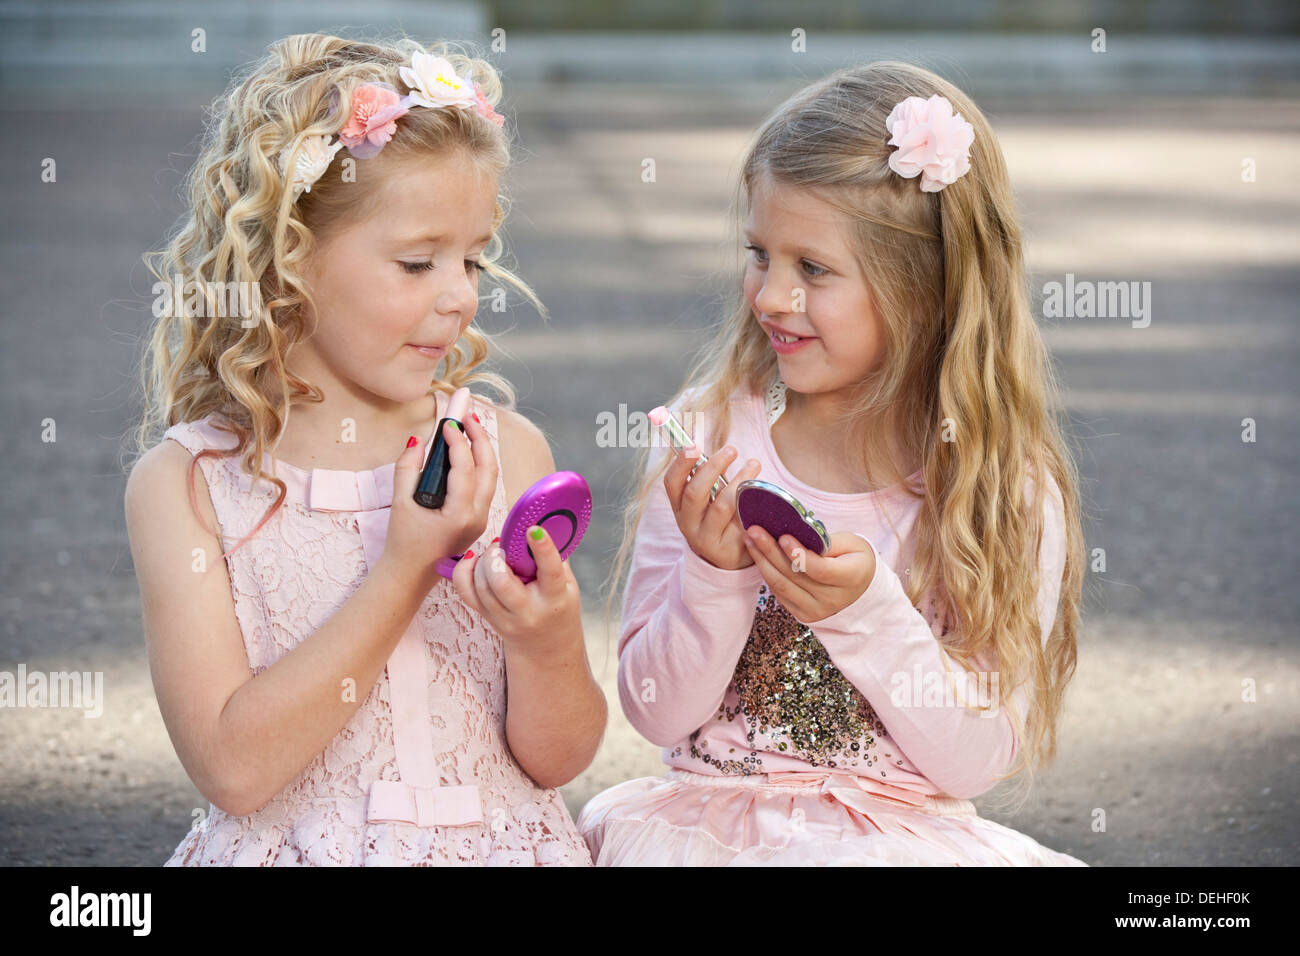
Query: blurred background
(1164,149)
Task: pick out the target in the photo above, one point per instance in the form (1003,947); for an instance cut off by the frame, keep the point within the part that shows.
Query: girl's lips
(787,348)
(436,352)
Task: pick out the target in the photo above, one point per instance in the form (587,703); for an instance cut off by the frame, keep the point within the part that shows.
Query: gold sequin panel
(793,701)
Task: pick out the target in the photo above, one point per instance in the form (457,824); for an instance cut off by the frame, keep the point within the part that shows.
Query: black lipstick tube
(431,490)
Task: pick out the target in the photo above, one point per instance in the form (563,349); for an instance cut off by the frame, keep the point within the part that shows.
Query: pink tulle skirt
(795,819)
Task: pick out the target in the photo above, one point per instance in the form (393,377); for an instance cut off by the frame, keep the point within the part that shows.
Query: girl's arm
(555,711)
(685,624)
(880,643)
(242,739)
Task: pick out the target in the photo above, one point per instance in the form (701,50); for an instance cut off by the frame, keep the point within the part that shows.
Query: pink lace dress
(421,774)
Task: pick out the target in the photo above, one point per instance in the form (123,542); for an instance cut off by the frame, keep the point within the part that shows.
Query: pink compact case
(560,503)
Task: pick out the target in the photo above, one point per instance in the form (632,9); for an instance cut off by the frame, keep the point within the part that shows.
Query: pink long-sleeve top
(714,670)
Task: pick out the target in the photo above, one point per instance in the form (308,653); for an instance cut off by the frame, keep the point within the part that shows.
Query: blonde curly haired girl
(335,699)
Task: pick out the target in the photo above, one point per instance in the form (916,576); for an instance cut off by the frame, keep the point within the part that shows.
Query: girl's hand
(541,616)
(813,586)
(710,527)
(419,536)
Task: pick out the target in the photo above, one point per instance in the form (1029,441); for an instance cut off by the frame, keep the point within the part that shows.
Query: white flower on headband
(931,141)
(314,157)
(433,82)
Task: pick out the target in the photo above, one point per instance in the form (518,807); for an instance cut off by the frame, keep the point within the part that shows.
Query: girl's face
(803,280)
(404,276)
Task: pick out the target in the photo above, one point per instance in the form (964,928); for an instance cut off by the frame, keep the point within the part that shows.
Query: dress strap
(201,434)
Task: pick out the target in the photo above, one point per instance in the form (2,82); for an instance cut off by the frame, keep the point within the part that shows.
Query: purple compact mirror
(778,512)
(560,503)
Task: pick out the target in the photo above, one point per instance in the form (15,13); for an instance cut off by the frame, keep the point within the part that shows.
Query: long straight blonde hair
(962,353)
(243,224)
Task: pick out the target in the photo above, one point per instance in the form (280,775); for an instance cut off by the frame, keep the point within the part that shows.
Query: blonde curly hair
(947,274)
(244,225)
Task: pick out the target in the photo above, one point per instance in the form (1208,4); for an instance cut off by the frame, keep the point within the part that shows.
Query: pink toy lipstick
(672,429)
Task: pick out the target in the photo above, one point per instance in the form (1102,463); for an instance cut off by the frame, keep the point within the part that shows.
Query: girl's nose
(775,296)
(460,295)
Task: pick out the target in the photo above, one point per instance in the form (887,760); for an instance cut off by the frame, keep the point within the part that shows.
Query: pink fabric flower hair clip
(375,110)
(432,82)
(932,142)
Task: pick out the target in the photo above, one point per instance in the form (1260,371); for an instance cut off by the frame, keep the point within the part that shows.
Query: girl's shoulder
(216,475)
(159,482)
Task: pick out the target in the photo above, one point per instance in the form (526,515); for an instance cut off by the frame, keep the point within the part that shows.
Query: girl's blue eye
(813,271)
(478,267)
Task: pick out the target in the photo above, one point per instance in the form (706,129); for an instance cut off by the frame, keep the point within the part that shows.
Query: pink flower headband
(931,142)
(432,82)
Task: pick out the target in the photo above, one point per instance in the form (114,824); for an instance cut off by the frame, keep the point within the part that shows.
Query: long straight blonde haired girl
(966,386)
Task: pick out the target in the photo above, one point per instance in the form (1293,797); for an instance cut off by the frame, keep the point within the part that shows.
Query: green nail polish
(537,534)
